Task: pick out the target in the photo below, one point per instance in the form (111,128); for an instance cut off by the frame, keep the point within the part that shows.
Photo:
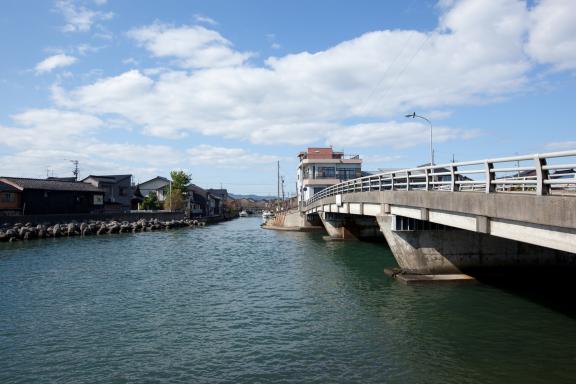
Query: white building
(156,185)
(322,167)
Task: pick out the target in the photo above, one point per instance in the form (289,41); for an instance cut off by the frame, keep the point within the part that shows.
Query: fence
(540,174)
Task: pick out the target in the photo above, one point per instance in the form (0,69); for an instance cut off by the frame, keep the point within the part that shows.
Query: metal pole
(414,115)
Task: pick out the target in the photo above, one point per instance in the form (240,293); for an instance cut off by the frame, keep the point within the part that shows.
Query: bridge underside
(428,240)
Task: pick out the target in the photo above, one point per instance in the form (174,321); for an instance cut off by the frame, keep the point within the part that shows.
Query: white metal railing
(540,176)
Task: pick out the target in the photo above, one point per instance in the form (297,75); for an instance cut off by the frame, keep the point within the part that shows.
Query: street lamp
(414,115)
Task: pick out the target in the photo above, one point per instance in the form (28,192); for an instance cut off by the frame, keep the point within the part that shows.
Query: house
(10,198)
(38,196)
(197,200)
(322,167)
(117,191)
(221,193)
(215,205)
(157,186)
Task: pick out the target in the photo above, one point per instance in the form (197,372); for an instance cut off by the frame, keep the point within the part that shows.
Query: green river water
(233,303)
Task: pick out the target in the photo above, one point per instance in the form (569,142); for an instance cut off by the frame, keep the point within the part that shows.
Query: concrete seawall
(292,220)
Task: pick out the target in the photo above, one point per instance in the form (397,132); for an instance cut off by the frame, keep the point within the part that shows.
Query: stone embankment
(28,231)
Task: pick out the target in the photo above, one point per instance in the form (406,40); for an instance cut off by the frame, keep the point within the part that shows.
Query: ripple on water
(233,303)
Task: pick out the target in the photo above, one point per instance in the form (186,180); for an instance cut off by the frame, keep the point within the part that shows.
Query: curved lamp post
(414,115)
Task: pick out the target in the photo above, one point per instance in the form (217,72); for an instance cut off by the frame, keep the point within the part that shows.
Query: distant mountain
(253,197)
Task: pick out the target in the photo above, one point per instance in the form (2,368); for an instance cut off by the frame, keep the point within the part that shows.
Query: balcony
(321,181)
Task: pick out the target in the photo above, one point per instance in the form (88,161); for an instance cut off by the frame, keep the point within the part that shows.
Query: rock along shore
(28,231)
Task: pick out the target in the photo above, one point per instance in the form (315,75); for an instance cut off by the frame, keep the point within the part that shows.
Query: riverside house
(117,191)
(197,200)
(322,167)
(158,186)
(19,196)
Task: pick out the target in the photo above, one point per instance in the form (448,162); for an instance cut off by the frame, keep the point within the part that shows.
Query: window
(346,173)
(8,197)
(318,189)
(326,172)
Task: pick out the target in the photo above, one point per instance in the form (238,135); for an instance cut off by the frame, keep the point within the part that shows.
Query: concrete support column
(335,226)
(451,251)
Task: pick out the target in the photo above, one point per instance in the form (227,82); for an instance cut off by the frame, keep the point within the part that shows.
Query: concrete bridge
(458,217)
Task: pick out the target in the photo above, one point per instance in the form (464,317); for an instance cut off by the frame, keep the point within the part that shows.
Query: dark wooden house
(39,196)
(197,200)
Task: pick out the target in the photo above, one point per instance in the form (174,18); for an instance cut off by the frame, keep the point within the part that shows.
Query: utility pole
(278,181)
(75,171)
(282,178)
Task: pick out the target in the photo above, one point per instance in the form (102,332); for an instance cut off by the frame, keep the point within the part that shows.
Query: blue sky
(224,89)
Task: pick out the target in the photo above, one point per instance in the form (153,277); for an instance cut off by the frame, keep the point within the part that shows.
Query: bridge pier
(335,225)
(422,247)
(350,227)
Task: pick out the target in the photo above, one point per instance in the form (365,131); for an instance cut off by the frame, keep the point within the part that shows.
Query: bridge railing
(540,174)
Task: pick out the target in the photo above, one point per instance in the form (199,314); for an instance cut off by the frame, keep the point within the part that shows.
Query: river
(233,303)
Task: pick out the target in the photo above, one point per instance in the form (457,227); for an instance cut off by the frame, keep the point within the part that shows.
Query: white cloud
(271,37)
(79,18)
(48,128)
(476,55)
(48,138)
(561,145)
(130,61)
(205,19)
(82,49)
(394,134)
(553,33)
(192,46)
(227,157)
(53,62)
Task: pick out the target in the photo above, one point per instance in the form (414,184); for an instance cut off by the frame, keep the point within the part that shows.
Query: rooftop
(324,154)
(22,183)
(155,178)
(109,178)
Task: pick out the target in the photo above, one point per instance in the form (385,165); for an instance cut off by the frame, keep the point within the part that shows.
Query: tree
(151,201)
(180,179)
(176,192)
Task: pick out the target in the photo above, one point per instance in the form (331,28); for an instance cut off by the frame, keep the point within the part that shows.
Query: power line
(395,79)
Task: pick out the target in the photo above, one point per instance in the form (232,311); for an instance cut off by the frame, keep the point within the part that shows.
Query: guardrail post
(426,172)
(407,180)
(541,176)
(379,182)
(392,181)
(453,178)
(489,177)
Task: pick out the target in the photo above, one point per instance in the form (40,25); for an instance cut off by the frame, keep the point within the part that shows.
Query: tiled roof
(50,185)
(196,189)
(114,178)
